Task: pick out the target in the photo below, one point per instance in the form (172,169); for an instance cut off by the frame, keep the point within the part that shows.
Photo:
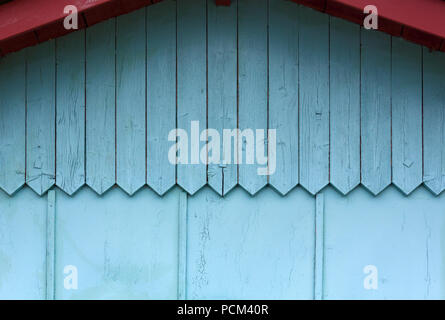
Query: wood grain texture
(406,93)
(12,122)
(161,93)
(130,101)
(100,106)
(434,120)
(70,105)
(319,246)
(22,245)
(50,244)
(182,245)
(375,110)
(192,88)
(252,54)
(401,236)
(283,91)
(344,82)
(243,247)
(41,143)
(123,247)
(314,99)
(222,90)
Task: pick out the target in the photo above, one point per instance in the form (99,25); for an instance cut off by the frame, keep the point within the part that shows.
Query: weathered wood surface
(161,93)
(434,121)
(222,96)
(233,247)
(253,88)
(319,246)
(12,122)
(406,115)
(346,103)
(22,245)
(243,247)
(130,101)
(344,99)
(398,235)
(375,110)
(314,99)
(283,92)
(41,117)
(70,106)
(192,89)
(122,247)
(50,245)
(101,106)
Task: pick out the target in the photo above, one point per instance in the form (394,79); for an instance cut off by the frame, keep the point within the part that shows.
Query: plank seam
(329,98)
(50,245)
(55,110)
(85,105)
(182,246)
(390,108)
(319,246)
(176,88)
(26,116)
(146,94)
(207,91)
(423,134)
(268,91)
(237,93)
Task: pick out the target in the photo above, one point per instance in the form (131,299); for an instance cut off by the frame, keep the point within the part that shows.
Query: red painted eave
(27,22)
(419,21)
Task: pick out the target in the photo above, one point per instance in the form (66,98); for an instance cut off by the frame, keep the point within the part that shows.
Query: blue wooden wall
(236,247)
(85,178)
(350,106)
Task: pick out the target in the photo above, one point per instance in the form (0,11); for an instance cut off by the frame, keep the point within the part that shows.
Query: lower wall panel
(237,247)
(403,237)
(22,246)
(244,247)
(123,247)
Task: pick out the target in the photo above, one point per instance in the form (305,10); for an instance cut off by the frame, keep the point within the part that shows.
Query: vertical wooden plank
(40,87)
(192,87)
(123,247)
(314,99)
(375,110)
(253,86)
(406,91)
(100,106)
(344,88)
(283,91)
(394,239)
(222,90)
(130,101)
(182,246)
(22,245)
(50,244)
(70,124)
(244,247)
(161,93)
(434,120)
(12,122)
(319,246)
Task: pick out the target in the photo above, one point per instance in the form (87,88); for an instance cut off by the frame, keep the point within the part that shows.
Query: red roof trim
(27,22)
(419,21)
